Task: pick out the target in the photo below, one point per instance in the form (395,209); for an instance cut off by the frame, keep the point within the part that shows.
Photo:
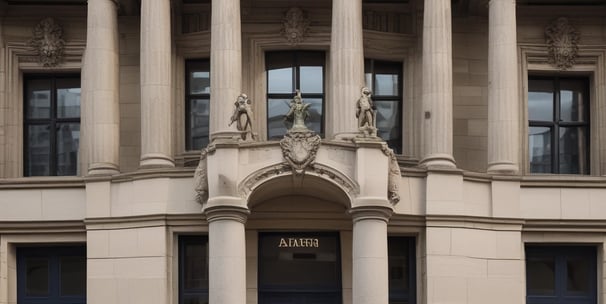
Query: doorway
(299,268)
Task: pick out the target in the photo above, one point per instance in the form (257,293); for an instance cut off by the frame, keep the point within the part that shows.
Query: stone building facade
(124,179)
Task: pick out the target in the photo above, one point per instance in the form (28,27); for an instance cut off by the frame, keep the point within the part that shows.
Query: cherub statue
(243,115)
(366,113)
(298,113)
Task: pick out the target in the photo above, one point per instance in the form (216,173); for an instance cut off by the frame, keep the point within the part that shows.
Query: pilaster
(437,84)
(100,77)
(503,113)
(225,64)
(156,107)
(347,66)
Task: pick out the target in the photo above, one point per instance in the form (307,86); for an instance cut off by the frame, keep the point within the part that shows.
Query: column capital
(226,213)
(380,213)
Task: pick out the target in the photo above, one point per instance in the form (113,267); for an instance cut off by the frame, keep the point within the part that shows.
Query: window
(561,274)
(299,267)
(193,270)
(402,270)
(52,275)
(385,81)
(51,124)
(197,103)
(558,119)
(288,71)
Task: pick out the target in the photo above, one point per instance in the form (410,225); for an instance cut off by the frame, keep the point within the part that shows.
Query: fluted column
(156,125)
(225,64)
(503,116)
(347,66)
(100,77)
(437,84)
(370,276)
(227,255)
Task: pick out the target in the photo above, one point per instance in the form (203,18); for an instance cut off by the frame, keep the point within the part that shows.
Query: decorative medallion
(562,41)
(48,42)
(295,26)
(299,148)
(394,176)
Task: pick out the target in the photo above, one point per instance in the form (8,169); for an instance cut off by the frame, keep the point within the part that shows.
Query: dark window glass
(561,274)
(384,79)
(402,270)
(197,103)
(558,118)
(305,267)
(51,125)
(50,275)
(288,71)
(193,270)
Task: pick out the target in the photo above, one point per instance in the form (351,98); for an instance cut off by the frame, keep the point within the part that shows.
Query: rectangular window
(288,71)
(561,274)
(558,125)
(402,270)
(52,275)
(51,124)
(193,270)
(197,103)
(384,79)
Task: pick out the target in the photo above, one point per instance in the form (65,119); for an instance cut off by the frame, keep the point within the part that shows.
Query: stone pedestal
(437,84)
(101,118)
(225,65)
(156,107)
(227,254)
(346,67)
(503,106)
(370,260)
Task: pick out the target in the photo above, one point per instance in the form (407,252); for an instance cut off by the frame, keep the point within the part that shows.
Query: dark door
(299,268)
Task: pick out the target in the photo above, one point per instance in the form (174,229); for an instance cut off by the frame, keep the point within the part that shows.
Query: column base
(504,168)
(156,160)
(438,161)
(98,169)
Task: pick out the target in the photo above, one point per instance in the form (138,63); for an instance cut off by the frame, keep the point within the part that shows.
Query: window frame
(185,240)
(53,253)
(296,84)
(52,121)
(561,253)
(399,99)
(189,67)
(556,122)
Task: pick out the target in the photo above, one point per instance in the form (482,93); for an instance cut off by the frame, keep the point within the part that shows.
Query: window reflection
(197,103)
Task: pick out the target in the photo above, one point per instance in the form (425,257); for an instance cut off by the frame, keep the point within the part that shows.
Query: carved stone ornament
(48,42)
(201,179)
(295,26)
(299,148)
(394,176)
(243,116)
(366,113)
(563,43)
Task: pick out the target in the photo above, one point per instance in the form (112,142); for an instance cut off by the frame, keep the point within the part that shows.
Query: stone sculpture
(562,42)
(366,113)
(393,177)
(48,42)
(242,116)
(201,179)
(300,144)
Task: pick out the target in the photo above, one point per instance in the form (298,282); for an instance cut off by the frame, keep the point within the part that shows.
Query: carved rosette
(562,42)
(299,149)
(394,175)
(48,42)
(295,26)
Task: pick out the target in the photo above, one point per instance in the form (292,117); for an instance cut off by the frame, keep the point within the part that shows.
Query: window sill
(39,182)
(563,180)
